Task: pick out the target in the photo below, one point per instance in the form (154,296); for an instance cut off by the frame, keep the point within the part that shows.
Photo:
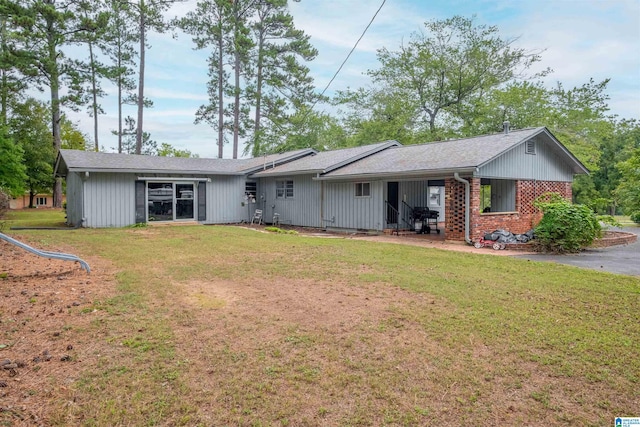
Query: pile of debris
(503,236)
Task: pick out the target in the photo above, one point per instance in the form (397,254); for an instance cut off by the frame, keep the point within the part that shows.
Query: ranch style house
(470,186)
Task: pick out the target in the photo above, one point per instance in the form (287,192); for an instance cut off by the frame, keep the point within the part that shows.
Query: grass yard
(215,325)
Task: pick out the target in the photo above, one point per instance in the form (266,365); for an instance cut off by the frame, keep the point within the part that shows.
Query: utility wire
(347,58)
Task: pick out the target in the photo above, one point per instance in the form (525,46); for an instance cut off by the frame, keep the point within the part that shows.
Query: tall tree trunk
(141,79)
(119,97)
(256,129)
(5,99)
(220,99)
(4,89)
(236,107)
(95,97)
(55,105)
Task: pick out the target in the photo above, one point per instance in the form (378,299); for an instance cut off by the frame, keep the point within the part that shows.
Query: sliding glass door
(184,201)
(170,201)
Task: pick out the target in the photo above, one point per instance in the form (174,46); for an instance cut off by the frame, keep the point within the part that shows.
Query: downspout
(466,206)
(83,219)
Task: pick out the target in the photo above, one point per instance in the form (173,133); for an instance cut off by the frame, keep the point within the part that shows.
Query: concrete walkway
(623,259)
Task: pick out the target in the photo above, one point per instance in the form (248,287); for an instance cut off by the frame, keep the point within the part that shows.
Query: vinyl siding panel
(545,165)
(414,193)
(503,196)
(109,200)
(74,199)
(350,212)
(225,196)
(303,209)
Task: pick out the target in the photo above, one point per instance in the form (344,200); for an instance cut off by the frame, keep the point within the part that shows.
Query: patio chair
(257,216)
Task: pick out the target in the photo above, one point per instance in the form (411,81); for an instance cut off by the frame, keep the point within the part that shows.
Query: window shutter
(141,211)
(202,201)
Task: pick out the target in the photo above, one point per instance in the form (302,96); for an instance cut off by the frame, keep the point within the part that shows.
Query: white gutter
(466,206)
(169,178)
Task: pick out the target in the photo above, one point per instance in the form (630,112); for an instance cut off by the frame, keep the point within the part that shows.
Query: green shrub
(565,227)
(635,217)
(280,230)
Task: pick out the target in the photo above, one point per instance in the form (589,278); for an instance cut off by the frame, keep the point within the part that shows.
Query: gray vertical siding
(302,210)
(109,200)
(350,212)
(225,196)
(545,165)
(414,193)
(74,199)
(503,195)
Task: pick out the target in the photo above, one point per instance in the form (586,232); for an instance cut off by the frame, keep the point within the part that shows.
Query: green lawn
(434,338)
(34,218)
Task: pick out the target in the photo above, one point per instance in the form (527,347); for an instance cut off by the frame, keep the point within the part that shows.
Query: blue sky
(582,39)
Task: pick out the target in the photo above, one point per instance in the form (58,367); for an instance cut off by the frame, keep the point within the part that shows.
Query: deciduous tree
(31,130)
(447,69)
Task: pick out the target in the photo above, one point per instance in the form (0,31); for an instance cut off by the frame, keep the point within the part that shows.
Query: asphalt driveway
(623,259)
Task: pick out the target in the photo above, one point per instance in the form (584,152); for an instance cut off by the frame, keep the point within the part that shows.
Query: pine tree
(280,82)
(45,27)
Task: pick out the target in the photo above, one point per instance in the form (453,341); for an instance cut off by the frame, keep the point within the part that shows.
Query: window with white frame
(363,189)
(284,189)
(41,201)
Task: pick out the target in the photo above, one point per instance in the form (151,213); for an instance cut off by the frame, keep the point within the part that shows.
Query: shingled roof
(91,161)
(326,161)
(462,155)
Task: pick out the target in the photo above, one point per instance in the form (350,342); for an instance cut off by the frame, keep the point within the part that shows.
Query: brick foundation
(525,217)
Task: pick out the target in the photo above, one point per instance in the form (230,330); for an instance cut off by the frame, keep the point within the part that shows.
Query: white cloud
(157,92)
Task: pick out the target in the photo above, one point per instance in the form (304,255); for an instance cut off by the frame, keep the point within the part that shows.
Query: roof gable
(461,155)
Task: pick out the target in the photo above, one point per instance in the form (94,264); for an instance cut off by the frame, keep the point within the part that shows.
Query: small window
(434,197)
(530,146)
(41,201)
(251,188)
(363,189)
(284,189)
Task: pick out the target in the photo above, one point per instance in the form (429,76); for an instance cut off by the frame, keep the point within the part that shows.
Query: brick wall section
(453,209)
(523,219)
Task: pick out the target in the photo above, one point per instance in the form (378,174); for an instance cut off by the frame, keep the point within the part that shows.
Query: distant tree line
(454,79)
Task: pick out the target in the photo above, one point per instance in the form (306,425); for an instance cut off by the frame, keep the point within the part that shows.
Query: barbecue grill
(423,219)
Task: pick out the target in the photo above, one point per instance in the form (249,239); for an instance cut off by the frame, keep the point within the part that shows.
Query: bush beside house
(565,227)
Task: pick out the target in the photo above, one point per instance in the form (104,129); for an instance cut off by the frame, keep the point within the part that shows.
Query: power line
(352,49)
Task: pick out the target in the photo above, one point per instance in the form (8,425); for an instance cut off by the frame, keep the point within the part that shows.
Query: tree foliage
(450,68)
(129,142)
(45,28)
(31,130)
(255,61)
(280,81)
(629,188)
(12,172)
(167,150)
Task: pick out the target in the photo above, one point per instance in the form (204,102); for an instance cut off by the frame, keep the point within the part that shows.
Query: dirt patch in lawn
(45,308)
(261,351)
